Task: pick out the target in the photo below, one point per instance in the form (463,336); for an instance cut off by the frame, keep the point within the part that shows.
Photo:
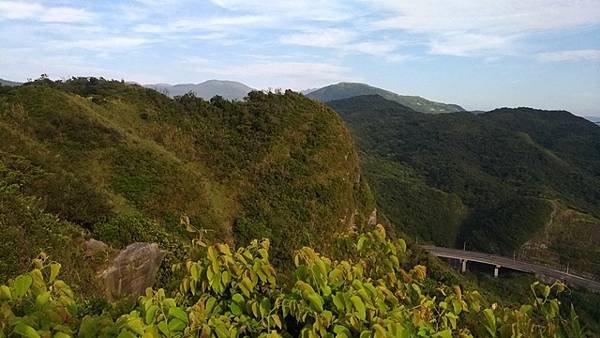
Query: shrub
(231,293)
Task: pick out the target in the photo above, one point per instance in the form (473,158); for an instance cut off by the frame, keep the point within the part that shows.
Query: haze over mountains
(8,83)
(230,90)
(233,90)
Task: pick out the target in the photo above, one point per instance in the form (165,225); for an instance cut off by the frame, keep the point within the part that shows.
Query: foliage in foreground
(231,293)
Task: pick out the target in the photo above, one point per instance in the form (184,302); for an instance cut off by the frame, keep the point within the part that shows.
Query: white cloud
(157,3)
(218,24)
(148,28)
(222,23)
(212,36)
(464,44)
(571,55)
(65,14)
(196,62)
(343,40)
(465,27)
(376,48)
(18,10)
(102,44)
(510,16)
(324,38)
(302,10)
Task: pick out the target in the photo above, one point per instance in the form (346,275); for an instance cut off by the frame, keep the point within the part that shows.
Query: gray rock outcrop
(133,270)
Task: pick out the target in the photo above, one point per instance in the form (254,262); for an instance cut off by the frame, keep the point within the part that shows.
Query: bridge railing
(567,268)
(532,257)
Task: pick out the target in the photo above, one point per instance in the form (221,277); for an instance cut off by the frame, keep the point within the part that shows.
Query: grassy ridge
(122,163)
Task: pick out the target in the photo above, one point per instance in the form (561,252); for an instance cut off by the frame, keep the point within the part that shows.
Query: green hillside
(490,181)
(345,90)
(121,163)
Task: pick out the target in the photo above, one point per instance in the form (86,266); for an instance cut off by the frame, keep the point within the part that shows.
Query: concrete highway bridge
(499,262)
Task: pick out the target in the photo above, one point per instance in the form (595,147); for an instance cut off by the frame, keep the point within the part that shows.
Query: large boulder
(133,270)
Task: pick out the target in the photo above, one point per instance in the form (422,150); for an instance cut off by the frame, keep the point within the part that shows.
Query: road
(512,264)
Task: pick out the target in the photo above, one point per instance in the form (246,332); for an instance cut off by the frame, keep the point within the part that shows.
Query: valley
(89,160)
(299,169)
(495,179)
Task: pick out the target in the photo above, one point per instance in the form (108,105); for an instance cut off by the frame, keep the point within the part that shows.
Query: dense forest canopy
(494,180)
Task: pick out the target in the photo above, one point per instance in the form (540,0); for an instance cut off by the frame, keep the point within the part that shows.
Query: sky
(481,54)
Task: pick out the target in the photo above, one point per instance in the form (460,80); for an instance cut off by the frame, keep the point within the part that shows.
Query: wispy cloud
(508,16)
(464,27)
(217,23)
(300,10)
(18,10)
(323,38)
(570,55)
(102,44)
(342,40)
(465,44)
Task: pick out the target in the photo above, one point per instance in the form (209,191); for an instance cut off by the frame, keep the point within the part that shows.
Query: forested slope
(121,163)
(491,180)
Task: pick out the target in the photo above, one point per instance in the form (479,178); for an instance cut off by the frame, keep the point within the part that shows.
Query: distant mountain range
(230,90)
(344,90)
(8,83)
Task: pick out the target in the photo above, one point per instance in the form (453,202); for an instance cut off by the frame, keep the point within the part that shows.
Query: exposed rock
(133,270)
(372,218)
(93,247)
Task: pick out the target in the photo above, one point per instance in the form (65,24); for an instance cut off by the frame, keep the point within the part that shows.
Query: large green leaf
(22,284)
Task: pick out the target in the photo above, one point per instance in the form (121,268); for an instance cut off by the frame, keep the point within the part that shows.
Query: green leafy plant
(226,292)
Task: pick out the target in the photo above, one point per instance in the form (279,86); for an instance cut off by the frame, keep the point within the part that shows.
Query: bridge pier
(463,265)
(496,270)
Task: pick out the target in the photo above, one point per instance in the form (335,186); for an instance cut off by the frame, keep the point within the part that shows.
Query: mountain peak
(344,90)
(231,90)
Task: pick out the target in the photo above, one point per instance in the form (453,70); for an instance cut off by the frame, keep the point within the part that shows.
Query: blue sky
(480,54)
